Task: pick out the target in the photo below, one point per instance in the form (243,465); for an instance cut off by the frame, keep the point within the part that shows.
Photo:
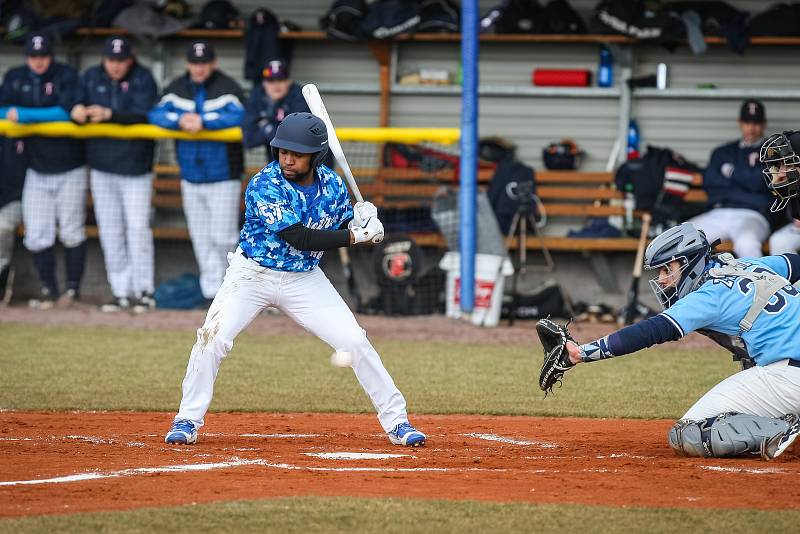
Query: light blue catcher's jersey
(273,204)
(720,303)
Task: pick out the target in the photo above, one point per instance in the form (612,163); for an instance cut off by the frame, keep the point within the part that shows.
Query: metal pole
(469,149)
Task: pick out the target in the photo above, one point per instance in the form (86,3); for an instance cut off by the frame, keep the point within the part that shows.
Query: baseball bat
(629,311)
(317,107)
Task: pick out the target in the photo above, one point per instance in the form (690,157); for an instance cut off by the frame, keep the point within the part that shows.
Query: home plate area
(91,461)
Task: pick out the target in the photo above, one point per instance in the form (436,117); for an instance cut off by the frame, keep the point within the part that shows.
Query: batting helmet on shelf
(683,243)
(303,133)
(779,155)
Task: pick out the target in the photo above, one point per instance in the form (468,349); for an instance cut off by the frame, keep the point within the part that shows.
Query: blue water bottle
(633,140)
(605,71)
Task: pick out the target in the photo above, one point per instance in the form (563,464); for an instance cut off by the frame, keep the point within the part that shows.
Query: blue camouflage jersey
(272,204)
(720,303)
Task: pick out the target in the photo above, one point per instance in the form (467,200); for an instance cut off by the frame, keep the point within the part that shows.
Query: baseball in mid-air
(342,358)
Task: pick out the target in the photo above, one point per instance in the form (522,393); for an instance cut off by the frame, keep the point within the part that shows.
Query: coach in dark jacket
(270,101)
(121,91)
(206,99)
(54,195)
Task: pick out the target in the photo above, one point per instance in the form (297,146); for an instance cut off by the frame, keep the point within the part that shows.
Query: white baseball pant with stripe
(54,203)
(212,213)
(770,391)
(311,301)
(122,210)
(10,218)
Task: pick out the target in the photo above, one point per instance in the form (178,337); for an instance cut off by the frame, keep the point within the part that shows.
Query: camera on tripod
(523,194)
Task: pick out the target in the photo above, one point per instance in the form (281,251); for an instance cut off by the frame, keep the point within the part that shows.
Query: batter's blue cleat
(407,435)
(183,432)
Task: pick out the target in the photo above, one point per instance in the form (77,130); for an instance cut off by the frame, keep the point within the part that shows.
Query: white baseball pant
(212,213)
(311,301)
(786,239)
(769,391)
(748,229)
(122,210)
(10,218)
(50,200)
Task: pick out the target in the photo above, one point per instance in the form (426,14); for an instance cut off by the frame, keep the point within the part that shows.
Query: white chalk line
(280,436)
(356,455)
(80,477)
(750,470)
(511,441)
(16,439)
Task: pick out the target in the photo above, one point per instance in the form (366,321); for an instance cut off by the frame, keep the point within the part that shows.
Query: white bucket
(490,273)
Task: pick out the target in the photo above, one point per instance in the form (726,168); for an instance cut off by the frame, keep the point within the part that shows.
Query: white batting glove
(372,231)
(363,212)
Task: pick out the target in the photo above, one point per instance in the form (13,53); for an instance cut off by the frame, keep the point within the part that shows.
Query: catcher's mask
(683,243)
(303,133)
(781,167)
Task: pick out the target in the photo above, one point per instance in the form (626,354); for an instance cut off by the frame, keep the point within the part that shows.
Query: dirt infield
(55,463)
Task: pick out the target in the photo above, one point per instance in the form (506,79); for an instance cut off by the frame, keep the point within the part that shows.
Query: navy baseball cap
(38,44)
(753,111)
(275,69)
(200,52)
(117,48)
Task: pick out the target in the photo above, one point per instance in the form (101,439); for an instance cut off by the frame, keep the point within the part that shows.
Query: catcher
(749,306)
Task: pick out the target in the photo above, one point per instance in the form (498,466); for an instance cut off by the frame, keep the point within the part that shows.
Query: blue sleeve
(165,114)
(227,116)
(651,331)
(51,114)
(253,133)
(273,208)
(344,200)
(786,265)
(696,310)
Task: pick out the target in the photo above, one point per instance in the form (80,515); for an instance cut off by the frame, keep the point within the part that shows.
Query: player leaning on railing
(750,307)
(54,195)
(295,208)
(204,98)
(121,91)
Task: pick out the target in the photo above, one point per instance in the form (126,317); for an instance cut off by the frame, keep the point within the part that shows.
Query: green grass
(325,515)
(91,368)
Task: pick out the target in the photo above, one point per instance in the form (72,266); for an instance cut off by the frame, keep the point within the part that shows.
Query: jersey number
(778,301)
(271,212)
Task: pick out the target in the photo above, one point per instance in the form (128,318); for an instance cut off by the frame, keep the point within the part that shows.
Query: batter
(295,208)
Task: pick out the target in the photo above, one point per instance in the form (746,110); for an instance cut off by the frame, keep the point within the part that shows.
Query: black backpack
(387,18)
(343,20)
(515,16)
(438,16)
(635,19)
(562,18)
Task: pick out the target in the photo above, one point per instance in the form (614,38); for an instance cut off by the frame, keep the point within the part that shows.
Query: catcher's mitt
(556,358)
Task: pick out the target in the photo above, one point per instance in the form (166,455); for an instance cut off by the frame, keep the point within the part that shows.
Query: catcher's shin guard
(728,434)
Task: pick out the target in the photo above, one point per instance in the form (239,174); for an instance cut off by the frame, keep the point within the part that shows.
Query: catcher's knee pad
(728,434)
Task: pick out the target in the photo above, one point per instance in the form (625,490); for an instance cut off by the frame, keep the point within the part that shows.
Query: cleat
(406,435)
(183,432)
(775,446)
(45,301)
(144,303)
(116,305)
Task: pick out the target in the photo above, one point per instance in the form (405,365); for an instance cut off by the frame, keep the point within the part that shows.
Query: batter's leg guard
(726,435)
